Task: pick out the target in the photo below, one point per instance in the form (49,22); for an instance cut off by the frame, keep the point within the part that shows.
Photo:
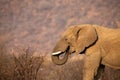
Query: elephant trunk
(61,47)
(58,61)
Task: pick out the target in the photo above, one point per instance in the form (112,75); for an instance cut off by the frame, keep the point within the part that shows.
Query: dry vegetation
(24,66)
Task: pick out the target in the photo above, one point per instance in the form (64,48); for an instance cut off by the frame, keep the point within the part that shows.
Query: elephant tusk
(56,53)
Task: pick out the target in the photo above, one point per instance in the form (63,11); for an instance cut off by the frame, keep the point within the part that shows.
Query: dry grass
(25,66)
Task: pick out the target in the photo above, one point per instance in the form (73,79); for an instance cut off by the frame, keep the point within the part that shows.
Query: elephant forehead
(70,32)
(71,36)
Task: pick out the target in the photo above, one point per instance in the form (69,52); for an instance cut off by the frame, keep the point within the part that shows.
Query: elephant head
(75,39)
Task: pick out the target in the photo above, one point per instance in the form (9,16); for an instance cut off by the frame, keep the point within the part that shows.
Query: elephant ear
(86,36)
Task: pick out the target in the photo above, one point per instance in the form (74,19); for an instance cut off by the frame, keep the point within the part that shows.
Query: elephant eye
(67,40)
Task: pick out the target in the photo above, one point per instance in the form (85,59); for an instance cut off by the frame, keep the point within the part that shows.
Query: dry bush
(26,65)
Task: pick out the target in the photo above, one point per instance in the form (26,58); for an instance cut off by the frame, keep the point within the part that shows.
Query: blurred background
(39,24)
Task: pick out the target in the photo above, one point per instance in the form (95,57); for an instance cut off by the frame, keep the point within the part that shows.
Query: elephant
(99,44)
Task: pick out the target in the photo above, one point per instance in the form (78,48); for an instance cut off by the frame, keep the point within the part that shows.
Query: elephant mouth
(60,57)
(61,52)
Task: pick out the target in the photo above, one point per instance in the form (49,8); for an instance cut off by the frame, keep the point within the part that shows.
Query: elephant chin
(57,60)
